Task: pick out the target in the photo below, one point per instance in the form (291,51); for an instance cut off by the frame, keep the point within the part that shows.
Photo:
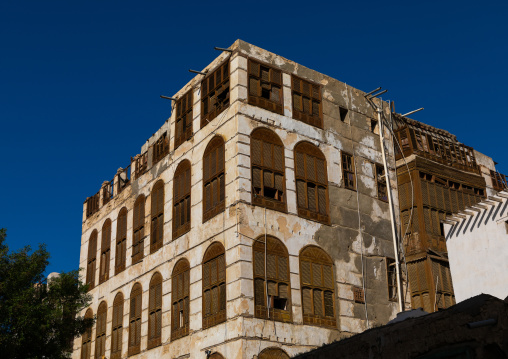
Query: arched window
(273,353)
(135,320)
(318,287)
(267,160)
(105,251)
(277,274)
(100,331)
(182,199)
(155,311)
(214,286)
(311,182)
(213,179)
(138,230)
(157,214)
(180,300)
(117,327)
(183,123)
(215,356)
(121,241)
(92,256)
(86,338)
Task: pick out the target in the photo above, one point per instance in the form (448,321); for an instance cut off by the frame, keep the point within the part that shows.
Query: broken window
(214,286)
(265,87)
(138,230)
(267,159)
(160,148)
(180,299)
(121,241)
(391,276)
(272,299)
(214,93)
(100,330)
(117,327)
(343,114)
(92,204)
(311,182)
(105,251)
(92,256)
(182,199)
(318,288)
(374,126)
(135,320)
(348,171)
(358,295)
(140,164)
(183,123)
(86,338)
(307,102)
(157,214)
(499,181)
(107,193)
(213,179)
(382,192)
(155,311)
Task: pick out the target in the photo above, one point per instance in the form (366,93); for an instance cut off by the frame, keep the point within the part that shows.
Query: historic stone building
(254,222)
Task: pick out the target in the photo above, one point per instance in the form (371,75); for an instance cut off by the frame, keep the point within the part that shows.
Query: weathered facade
(437,176)
(253,223)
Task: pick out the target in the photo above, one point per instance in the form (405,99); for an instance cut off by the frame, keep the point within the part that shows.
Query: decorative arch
(155,311)
(273,353)
(135,319)
(157,217)
(216,356)
(117,327)
(121,241)
(100,331)
(214,285)
(180,299)
(105,251)
(138,229)
(277,290)
(311,182)
(182,199)
(268,169)
(86,338)
(91,260)
(213,178)
(318,287)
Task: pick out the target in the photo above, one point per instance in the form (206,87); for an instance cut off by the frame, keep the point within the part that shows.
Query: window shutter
(328,299)
(259,263)
(305,275)
(271,266)
(283,269)
(318,302)
(307,301)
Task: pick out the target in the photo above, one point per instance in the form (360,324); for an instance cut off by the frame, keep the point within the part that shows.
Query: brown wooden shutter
(181,199)
(306,102)
(105,251)
(117,327)
(157,217)
(265,86)
(183,118)
(213,178)
(135,320)
(100,338)
(92,255)
(155,311)
(180,299)
(121,241)
(215,93)
(138,229)
(86,338)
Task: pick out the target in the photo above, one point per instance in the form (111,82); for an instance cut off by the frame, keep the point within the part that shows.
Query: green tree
(38,319)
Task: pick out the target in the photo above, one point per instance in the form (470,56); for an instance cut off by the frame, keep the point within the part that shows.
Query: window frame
(155,310)
(138,230)
(216,144)
(121,241)
(181,273)
(105,251)
(380,182)
(91,260)
(187,115)
(100,330)
(345,170)
(308,149)
(186,189)
(117,326)
(272,353)
(135,319)
(157,202)
(258,100)
(300,114)
(205,91)
(160,148)
(214,253)
(391,275)
(86,338)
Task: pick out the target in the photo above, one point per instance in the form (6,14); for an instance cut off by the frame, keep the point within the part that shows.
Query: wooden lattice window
(358,294)
(348,171)
(138,230)
(214,286)
(443,283)
(311,182)
(157,214)
(86,338)
(91,260)
(272,299)
(92,204)
(215,93)
(391,276)
(183,130)
(117,327)
(213,179)
(318,287)
(155,311)
(180,300)
(105,251)
(121,241)
(135,320)
(273,353)
(268,166)
(382,192)
(265,87)
(307,102)
(160,148)
(182,199)
(140,164)
(100,331)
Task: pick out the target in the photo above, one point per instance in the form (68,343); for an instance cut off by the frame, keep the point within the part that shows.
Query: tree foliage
(38,319)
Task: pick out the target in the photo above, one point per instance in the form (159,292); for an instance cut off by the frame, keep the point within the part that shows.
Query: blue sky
(80,83)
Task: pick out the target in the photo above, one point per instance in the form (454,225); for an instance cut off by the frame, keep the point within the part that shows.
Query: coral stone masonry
(253,223)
